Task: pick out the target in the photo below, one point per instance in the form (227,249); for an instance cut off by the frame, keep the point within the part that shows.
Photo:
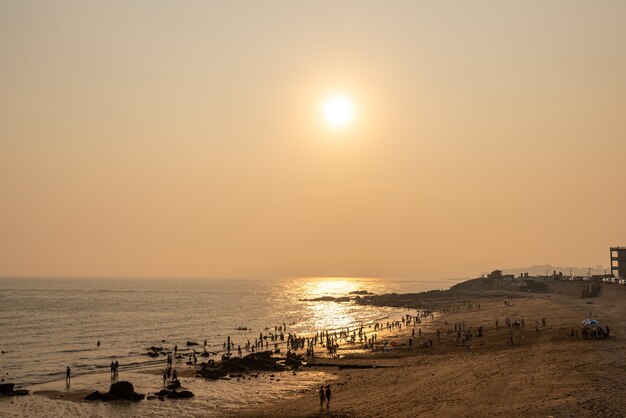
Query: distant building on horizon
(618,262)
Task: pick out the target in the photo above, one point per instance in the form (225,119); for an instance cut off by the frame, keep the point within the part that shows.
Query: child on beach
(322,396)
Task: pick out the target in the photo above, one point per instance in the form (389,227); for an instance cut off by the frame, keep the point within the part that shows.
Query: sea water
(47,324)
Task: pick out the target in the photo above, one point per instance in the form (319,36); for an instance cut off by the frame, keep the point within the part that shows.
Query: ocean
(47,324)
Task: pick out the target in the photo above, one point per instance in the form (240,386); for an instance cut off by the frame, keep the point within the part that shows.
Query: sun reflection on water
(330,286)
(323,315)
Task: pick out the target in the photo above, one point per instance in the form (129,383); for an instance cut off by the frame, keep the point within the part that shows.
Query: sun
(338,111)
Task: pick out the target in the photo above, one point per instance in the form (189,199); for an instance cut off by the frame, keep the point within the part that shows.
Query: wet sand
(545,373)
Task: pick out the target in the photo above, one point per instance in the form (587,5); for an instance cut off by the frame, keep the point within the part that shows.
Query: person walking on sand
(117,366)
(322,396)
(164,376)
(328,396)
(67,376)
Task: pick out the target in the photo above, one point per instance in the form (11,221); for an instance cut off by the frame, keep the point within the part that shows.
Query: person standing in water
(328,396)
(322,396)
(67,376)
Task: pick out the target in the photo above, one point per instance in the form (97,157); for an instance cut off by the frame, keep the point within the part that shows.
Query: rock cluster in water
(360,292)
(328,299)
(263,361)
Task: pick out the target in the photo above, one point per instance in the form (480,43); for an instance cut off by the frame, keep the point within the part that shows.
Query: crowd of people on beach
(328,339)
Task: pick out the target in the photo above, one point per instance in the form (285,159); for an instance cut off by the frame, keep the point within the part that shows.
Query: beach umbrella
(590,322)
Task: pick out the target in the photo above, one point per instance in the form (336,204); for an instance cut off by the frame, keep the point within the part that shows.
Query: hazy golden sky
(185,138)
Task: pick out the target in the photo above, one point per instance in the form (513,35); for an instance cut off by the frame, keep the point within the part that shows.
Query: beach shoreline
(445,379)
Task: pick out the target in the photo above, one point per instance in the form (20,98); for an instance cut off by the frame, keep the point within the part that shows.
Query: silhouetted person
(328,396)
(98,343)
(67,376)
(322,396)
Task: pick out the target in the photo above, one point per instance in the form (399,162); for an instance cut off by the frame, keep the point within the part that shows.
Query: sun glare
(338,111)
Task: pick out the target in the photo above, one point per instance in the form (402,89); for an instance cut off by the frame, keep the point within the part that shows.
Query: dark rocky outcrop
(19,392)
(156,351)
(254,361)
(211,373)
(190,343)
(173,394)
(360,292)
(470,288)
(95,396)
(8,389)
(122,390)
(294,360)
(174,385)
(235,365)
(328,299)
(183,394)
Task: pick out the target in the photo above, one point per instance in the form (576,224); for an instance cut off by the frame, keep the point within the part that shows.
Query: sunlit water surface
(48,324)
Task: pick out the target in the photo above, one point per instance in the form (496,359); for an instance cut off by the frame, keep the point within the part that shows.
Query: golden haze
(149,138)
